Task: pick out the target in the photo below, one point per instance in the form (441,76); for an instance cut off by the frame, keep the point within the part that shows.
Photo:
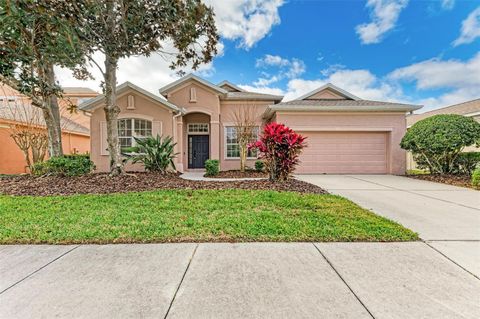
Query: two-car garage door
(344,153)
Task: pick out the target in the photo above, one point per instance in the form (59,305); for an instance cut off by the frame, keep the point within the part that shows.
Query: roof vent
(193,95)
(131,102)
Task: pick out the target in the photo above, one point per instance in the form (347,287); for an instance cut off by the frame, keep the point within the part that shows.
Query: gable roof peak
(331,87)
(99,99)
(231,85)
(169,87)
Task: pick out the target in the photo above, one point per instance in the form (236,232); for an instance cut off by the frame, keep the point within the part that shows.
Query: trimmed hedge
(212,167)
(467,161)
(259,166)
(67,165)
(476,177)
(437,141)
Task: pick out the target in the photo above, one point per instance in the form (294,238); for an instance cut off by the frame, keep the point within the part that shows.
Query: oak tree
(181,29)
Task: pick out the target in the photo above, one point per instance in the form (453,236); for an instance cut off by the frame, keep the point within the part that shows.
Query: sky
(412,51)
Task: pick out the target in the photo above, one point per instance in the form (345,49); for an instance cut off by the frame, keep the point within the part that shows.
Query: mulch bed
(455,180)
(135,182)
(238,174)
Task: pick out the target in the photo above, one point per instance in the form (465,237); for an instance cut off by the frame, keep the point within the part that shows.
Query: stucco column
(215,139)
(179,147)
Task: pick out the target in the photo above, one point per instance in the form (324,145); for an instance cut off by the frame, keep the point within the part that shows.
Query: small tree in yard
(123,28)
(437,141)
(245,126)
(280,148)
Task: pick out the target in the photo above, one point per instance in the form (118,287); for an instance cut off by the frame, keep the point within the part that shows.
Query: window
(130,128)
(232,149)
(196,128)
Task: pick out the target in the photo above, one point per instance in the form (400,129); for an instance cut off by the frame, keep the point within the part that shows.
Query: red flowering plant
(279,147)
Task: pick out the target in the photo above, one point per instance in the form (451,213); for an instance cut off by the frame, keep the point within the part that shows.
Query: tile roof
(340,102)
(341,105)
(252,96)
(464,108)
(78,90)
(26,113)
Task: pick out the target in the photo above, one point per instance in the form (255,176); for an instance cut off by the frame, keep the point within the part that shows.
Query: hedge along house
(345,134)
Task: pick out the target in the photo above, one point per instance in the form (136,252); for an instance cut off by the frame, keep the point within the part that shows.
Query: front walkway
(255,280)
(199,176)
(446,217)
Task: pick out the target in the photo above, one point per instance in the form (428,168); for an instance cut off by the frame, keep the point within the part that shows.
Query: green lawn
(183,215)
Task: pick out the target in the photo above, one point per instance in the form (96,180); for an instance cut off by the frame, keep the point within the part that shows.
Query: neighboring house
(17,112)
(345,134)
(469,108)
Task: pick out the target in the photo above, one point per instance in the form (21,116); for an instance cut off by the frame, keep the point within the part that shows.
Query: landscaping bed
(187,215)
(104,184)
(238,174)
(455,180)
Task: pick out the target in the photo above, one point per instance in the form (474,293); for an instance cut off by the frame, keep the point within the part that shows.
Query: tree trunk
(111,115)
(243,157)
(51,115)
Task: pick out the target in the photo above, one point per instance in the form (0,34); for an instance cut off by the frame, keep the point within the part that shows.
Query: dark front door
(198,149)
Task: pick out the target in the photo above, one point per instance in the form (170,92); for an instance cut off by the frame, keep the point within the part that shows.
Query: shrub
(280,148)
(68,165)
(259,166)
(155,153)
(467,161)
(476,177)
(436,141)
(212,167)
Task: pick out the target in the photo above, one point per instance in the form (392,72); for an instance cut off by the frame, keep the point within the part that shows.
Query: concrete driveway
(446,217)
(253,280)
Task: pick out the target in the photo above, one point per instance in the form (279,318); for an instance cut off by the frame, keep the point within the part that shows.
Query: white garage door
(344,153)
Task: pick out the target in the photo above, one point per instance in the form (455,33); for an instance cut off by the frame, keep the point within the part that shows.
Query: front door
(198,150)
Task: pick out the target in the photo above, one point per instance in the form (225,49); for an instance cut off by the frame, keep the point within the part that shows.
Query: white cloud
(248,21)
(384,16)
(262,89)
(287,69)
(358,82)
(448,4)
(437,73)
(271,60)
(470,28)
(460,78)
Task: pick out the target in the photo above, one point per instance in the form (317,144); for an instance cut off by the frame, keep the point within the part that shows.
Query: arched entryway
(196,132)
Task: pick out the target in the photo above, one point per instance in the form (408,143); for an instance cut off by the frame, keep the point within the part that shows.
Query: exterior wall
(207,102)
(325,94)
(12,160)
(194,118)
(145,108)
(228,110)
(75,116)
(392,123)
(208,108)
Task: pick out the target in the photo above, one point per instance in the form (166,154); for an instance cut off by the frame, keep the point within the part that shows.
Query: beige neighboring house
(469,108)
(345,134)
(17,114)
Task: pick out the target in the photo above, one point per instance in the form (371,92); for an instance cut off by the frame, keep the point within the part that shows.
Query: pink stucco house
(345,133)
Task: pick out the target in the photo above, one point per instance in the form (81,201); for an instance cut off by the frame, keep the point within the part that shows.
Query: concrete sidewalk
(446,217)
(253,280)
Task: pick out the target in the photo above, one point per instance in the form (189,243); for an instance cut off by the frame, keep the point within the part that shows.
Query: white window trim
(132,119)
(225,157)
(198,133)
